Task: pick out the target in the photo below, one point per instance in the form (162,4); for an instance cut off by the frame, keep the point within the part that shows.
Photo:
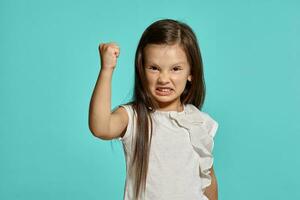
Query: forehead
(158,53)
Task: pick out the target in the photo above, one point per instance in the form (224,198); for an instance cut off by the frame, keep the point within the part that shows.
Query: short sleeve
(211,125)
(130,126)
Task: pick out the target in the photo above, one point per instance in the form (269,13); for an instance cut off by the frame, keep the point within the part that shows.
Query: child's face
(166,67)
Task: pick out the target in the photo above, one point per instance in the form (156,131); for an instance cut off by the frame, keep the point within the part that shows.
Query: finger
(114,44)
(117,53)
(117,49)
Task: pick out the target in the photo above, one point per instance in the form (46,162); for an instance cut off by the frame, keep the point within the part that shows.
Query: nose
(163,77)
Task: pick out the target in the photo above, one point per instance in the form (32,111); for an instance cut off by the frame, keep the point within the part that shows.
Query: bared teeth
(163,89)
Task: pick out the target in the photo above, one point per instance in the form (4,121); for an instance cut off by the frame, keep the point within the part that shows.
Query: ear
(190,78)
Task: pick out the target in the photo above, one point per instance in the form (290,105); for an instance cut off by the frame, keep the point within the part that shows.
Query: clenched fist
(109,52)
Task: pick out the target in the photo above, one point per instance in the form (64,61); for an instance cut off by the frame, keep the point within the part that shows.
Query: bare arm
(212,191)
(102,122)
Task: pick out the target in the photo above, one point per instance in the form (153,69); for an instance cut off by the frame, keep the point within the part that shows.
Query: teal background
(49,63)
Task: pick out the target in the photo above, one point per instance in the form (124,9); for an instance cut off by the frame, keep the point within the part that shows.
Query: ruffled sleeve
(202,129)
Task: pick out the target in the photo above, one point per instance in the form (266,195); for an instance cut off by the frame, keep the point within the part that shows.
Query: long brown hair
(164,31)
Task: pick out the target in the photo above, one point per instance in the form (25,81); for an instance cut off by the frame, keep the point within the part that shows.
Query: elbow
(212,190)
(97,131)
(93,128)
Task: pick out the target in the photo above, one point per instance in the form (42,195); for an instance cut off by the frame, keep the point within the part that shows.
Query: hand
(109,52)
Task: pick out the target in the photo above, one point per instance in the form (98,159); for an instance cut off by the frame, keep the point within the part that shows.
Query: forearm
(100,104)
(212,190)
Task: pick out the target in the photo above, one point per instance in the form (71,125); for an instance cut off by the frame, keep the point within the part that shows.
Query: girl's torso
(174,165)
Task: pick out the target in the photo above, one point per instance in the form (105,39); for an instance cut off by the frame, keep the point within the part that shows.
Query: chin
(165,99)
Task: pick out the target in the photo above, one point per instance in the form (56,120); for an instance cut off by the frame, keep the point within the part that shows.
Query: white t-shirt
(180,154)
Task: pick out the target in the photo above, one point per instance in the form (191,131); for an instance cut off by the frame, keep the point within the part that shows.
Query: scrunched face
(167,72)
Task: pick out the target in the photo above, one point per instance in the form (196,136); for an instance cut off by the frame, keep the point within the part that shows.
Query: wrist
(106,69)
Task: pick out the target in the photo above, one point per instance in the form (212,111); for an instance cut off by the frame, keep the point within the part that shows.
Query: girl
(167,140)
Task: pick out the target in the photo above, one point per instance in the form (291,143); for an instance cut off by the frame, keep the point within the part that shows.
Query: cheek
(180,83)
(150,79)
(179,80)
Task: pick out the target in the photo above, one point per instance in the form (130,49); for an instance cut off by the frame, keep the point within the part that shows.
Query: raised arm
(102,122)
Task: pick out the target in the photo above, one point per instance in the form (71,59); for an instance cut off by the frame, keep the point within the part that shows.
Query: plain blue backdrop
(49,63)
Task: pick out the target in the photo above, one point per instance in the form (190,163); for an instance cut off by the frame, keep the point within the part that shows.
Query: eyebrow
(153,63)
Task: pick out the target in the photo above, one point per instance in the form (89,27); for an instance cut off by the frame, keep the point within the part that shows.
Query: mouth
(163,91)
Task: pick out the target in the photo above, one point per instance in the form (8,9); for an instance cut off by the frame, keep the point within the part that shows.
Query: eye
(177,68)
(152,67)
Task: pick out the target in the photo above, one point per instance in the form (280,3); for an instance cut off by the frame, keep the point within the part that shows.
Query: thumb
(117,53)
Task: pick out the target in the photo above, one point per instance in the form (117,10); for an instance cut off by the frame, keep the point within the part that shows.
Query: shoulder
(208,120)
(127,112)
(192,108)
(126,109)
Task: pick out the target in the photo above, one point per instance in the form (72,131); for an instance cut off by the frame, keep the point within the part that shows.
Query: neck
(171,107)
